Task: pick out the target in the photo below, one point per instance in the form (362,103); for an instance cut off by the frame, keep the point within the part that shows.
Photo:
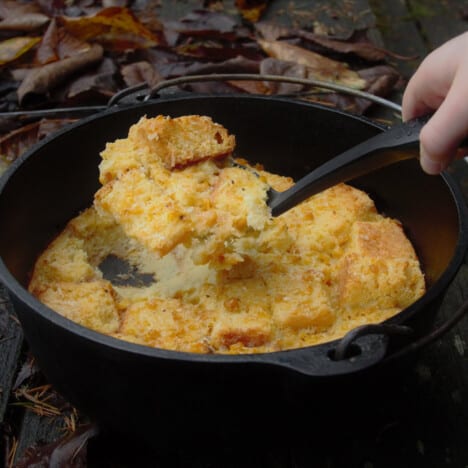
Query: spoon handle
(396,144)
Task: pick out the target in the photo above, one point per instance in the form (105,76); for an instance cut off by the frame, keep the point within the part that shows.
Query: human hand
(440,84)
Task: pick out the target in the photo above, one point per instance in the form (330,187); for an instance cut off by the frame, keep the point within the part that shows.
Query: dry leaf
(381,79)
(318,66)
(114,3)
(236,65)
(13,48)
(69,451)
(212,50)
(13,9)
(116,28)
(140,72)
(356,44)
(58,44)
(43,79)
(147,14)
(47,50)
(271,66)
(251,87)
(99,82)
(251,10)
(365,50)
(25,23)
(208,24)
(28,370)
(16,142)
(21,16)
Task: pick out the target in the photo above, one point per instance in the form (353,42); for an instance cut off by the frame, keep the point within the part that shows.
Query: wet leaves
(116,28)
(58,44)
(21,16)
(24,23)
(28,370)
(45,78)
(317,66)
(16,142)
(12,49)
(69,451)
(252,10)
(84,51)
(140,72)
(357,44)
(208,24)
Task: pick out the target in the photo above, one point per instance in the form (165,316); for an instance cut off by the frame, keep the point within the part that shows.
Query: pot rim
(274,357)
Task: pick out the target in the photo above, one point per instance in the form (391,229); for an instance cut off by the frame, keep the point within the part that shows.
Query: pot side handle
(360,349)
(431,336)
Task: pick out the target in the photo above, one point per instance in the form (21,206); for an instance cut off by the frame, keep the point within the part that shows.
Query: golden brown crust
(183,140)
(91,304)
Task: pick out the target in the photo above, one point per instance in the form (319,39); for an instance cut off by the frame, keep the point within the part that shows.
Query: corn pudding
(208,269)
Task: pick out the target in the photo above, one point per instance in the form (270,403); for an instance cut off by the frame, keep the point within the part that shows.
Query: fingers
(441,82)
(428,87)
(442,135)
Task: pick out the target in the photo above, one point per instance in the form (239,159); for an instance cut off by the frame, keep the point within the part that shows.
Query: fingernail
(429,165)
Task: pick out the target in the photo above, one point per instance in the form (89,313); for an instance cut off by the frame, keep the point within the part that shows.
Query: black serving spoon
(396,144)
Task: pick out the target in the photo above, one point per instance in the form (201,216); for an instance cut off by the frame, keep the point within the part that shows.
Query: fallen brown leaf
(28,370)
(236,65)
(251,10)
(14,9)
(114,3)
(13,48)
(273,31)
(21,17)
(47,50)
(69,451)
(356,44)
(24,23)
(69,7)
(147,14)
(210,24)
(251,87)
(211,50)
(380,81)
(116,28)
(16,142)
(140,72)
(318,66)
(43,79)
(100,82)
(58,44)
(271,66)
(362,49)
(212,87)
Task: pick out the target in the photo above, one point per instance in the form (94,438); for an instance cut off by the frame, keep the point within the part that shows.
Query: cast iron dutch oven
(153,392)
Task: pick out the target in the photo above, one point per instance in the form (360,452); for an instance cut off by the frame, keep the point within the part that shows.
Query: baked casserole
(221,275)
